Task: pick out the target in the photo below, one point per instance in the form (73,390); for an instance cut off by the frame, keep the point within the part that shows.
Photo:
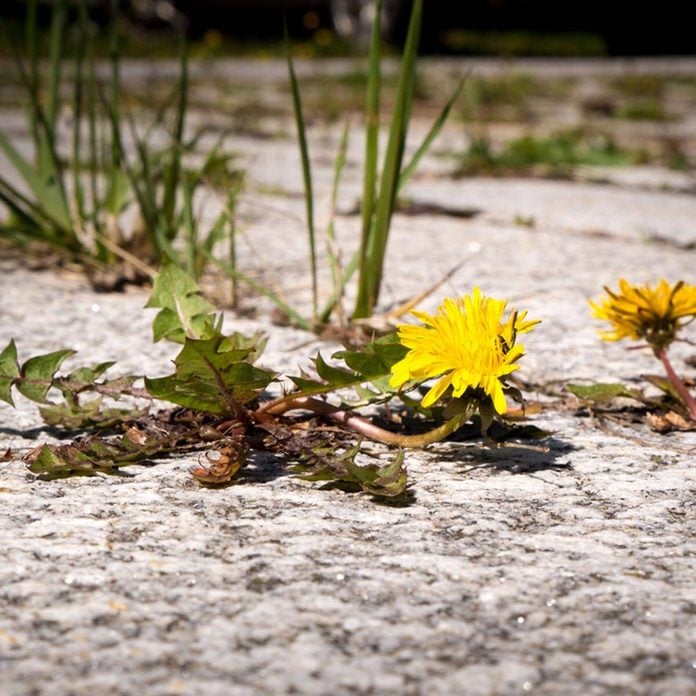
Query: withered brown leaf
(667,422)
(224,467)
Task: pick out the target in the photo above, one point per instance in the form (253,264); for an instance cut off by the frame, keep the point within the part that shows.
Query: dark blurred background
(472,27)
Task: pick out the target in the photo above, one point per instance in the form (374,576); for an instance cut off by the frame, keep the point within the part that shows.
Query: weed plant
(223,411)
(380,189)
(74,202)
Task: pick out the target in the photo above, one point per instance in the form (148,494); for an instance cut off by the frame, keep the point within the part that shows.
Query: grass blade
(190,227)
(36,224)
(306,171)
(78,97)
(30,77)
(372,104)
(173,171)
(348,273)
(295,318)
(94,157)
(370,279)
(331,246)
(47,194)
(58,25)
(115,97)
(434,131)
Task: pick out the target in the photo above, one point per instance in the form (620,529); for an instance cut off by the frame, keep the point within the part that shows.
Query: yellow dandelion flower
(467,343)
(643,312)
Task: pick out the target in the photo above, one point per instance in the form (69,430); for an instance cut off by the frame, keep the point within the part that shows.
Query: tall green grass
(73,201)
(380,188)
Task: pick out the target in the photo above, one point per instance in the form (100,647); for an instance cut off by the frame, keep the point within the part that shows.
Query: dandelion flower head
(467,343)
(643,312)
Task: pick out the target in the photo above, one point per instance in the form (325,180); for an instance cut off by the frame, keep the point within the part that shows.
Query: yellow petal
(438,389)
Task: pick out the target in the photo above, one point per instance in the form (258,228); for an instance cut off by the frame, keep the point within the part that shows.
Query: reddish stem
(362,425)
(683,392)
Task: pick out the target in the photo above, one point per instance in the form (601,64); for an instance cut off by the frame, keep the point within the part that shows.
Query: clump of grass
(74,201)
(380,189)
(558,154)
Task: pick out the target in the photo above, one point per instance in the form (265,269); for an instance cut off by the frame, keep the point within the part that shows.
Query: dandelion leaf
(211,377)
(81,379)
(333,375)
(90,414)
(255,344)
(369,364)
(374,359)
(59,462)
(9,371)
(85,377)
(308,386)
(387,481)
(96,455)
(184,312)
(323,464)
(37,374)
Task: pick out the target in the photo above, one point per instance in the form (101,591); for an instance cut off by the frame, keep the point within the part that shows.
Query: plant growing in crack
(656,315)
(224,411)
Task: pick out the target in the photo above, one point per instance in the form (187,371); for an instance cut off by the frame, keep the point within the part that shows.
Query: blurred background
(475,27)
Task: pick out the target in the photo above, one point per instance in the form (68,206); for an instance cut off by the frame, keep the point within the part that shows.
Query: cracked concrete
(510,572)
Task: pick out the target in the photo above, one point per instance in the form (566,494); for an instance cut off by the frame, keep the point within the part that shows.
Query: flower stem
(364,426)
(681,389)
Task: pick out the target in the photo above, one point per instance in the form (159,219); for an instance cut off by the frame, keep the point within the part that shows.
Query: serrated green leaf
(88,375)
(603,393)
(115,388)
(79,380)
(361,474)
(371,364)
(374,359)
(254,344)
(94,456)
(367,395)
(309,386)
(184,311)
(89,414)
(333,375)
(211,379)
(53,463)
(37,374)
(388,481)
(9,371)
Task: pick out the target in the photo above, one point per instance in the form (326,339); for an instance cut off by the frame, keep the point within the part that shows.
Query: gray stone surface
(511,572)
